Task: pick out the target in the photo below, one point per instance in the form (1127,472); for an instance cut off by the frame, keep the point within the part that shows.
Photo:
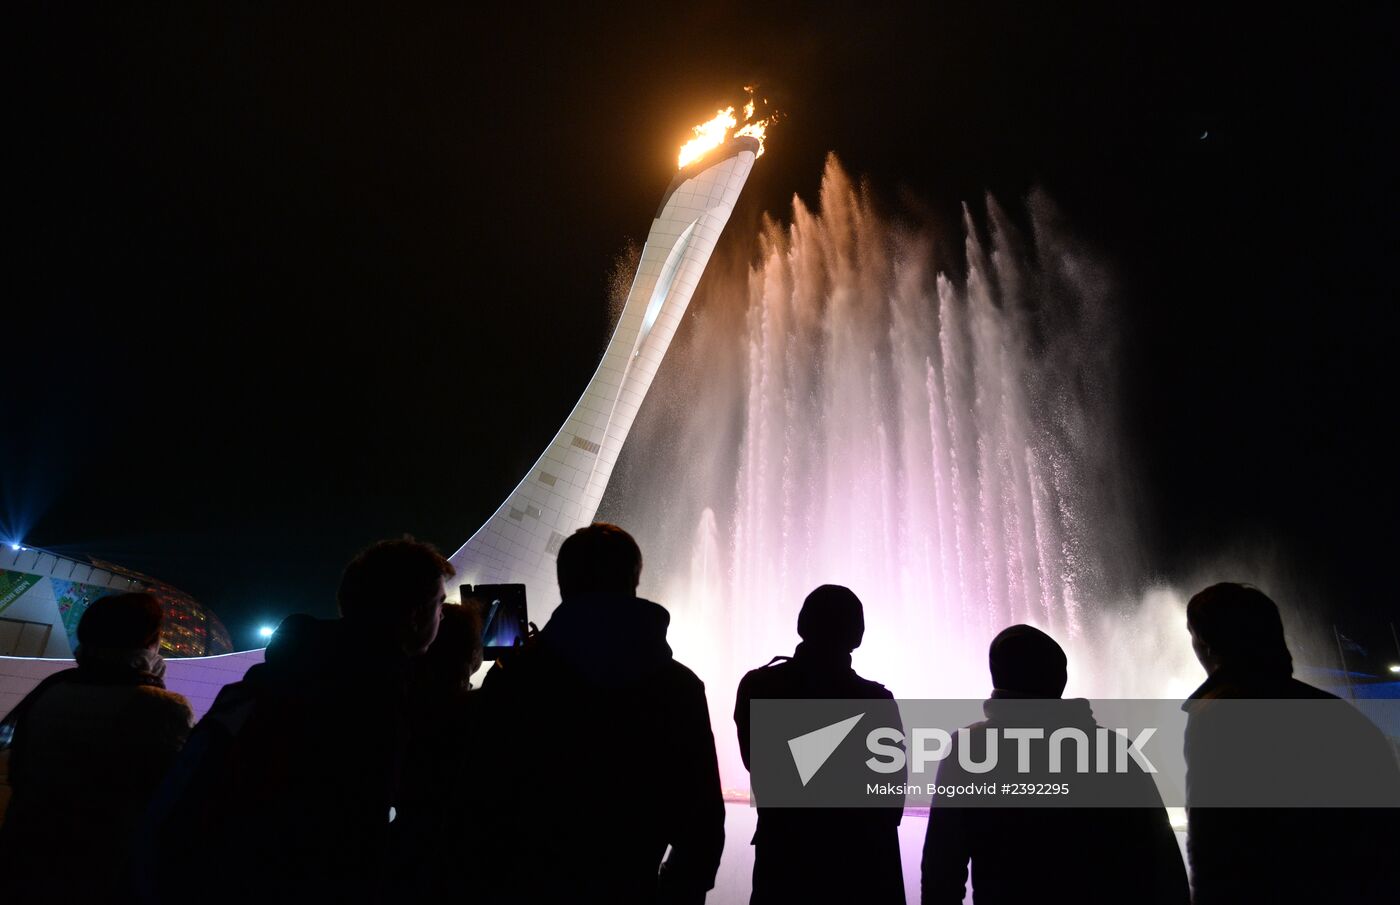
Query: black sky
(268,268)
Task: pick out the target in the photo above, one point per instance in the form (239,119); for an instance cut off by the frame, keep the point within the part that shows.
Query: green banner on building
(73,599)
(14,584)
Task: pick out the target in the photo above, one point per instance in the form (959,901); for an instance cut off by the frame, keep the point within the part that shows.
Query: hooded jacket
(293,770)
(602,756)
(1034,854)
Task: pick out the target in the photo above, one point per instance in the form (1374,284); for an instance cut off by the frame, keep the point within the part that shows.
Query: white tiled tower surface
(561,492)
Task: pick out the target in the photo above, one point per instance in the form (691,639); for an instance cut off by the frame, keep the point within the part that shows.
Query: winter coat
(287,782)
(1050,854)
(1287,854)
(601,756)
(820,854)
(436,831)
(90,746)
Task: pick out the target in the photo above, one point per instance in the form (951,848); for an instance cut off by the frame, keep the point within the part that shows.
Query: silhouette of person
(90,746)
(602,752)
(1257,736)
(821,854)
(1086,855)
(435,823)
(293,771)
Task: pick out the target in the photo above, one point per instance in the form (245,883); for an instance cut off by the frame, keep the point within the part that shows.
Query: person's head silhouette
(1237,626)
(1027,662)
(599,559)
(455,654)
(395,587)
(832,618)
(120,622)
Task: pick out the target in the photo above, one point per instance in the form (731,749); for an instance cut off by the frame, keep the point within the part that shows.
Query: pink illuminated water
(938,438)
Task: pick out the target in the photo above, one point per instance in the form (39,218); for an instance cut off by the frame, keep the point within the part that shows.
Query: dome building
(43,595)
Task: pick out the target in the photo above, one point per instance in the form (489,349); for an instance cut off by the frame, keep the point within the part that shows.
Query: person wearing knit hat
(824,854)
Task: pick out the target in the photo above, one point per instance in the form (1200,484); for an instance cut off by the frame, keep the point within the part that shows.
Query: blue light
(266,631)
(16,547)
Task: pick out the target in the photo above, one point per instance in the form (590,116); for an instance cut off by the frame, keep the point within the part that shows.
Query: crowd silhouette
(357,763)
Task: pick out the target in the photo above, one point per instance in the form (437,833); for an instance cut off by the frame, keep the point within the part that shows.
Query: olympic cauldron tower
(560,494)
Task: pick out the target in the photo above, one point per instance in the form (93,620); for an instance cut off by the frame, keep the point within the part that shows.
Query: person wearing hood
(823,854)
(603,752)
(290,779)
(1295,798)
(1087,855)
(89,747)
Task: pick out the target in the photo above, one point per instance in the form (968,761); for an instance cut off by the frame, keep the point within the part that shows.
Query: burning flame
(710,135)
(755,130)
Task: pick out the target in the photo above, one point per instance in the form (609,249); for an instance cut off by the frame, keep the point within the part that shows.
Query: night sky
(267,269)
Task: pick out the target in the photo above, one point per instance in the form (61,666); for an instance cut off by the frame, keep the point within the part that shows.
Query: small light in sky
(1395,668)
(266,631)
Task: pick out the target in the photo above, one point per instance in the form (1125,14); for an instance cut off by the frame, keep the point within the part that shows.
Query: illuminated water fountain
(943,444)
(928,422)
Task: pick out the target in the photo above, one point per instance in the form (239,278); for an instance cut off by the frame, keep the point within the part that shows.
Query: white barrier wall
(197,678)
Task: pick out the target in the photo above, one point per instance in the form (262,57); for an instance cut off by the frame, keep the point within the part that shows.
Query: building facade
(43,595)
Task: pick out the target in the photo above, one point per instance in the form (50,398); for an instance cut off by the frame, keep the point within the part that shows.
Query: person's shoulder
(163,698)
(764,676)
(161,703)
(682,676)
(869,688)
(774,667)
(1304,691)
(1246,686)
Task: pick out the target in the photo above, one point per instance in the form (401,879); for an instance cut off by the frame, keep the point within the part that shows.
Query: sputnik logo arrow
(811,750)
